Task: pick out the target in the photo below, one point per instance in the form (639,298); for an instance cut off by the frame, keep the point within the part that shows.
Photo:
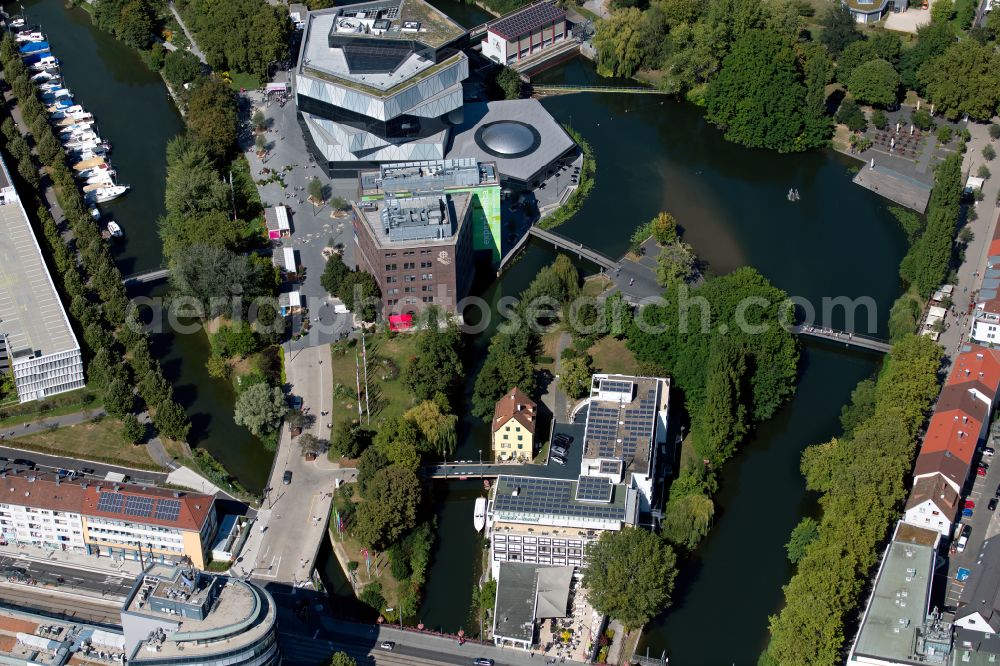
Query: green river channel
(653,154)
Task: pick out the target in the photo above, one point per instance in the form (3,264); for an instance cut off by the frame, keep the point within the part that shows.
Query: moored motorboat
(479,516)
(102,194)
(114,230)
(26,36)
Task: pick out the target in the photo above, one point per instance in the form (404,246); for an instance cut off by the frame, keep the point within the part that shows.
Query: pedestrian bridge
(563,243)
(148,277)
(845,337)
(561,89)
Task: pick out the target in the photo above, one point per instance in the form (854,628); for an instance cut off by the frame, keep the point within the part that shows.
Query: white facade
(41,527)
(986,327)
(37,377)
(109,532)
(927,514)
(537,548)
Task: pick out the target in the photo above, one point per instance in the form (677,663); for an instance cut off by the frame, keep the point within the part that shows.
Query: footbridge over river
(844,337)
(544,89)
(148,277)
(562,243)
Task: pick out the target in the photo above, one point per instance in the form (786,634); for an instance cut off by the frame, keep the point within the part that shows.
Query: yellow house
(514,421)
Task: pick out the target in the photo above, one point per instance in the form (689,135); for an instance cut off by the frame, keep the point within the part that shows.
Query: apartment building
(551,521)
(106,519)
(986,324)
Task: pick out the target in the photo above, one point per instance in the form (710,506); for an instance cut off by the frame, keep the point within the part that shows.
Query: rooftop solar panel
(138,506)
(593,489)
(167,509)
(110,502)
(550,496)
(529,19)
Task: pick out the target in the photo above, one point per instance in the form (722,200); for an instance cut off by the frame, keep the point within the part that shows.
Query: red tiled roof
(43,491)
(518,406)
(953,431)
(945,464)
(978,364)
(934,489)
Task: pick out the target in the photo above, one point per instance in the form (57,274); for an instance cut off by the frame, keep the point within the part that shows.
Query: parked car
(993,504)
(286,478)
(962,541)
(983,465)
(988,451)
(91,470)
(24,462)
(966,530)
(558,460)
(980,471)
(969,504)
(559,451)
(562,437)
(967,513)
(482,661)
(387,645)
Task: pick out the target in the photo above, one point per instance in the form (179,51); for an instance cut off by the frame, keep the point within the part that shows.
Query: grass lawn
(99,441)
(549,343)
(596,285)
(387,356)
(66,403)
(612,356)
(379,564)
(248,81)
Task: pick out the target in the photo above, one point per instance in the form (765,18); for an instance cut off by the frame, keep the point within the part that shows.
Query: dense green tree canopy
(629,575)
(211,116)
(619,43)
(436,366)
(875,82)
(219,280)
(758,96)
(131,21)
(389,509)
(242,35)
(839,28)
(260,408)
(932,40)
(965,79)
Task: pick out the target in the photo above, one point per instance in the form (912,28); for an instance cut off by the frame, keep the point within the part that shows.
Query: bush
(879,119)
(922,120)
(989,153)
(850,114)
(983,173)
(994,131)
(944,134)
(372,596)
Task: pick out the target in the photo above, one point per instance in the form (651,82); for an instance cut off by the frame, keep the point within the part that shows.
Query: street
(47,574)
(101,470)
(292,519)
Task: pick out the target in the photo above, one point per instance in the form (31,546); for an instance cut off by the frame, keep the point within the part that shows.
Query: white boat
(84,154)
(479,518)
(114,230)
(56,95)
(29,36)
(43,76)
(82,140)
(95,170)
(17,22)
(104,194)
(50,83)
(100,179)
(45,64)
(76,128)
(95,213)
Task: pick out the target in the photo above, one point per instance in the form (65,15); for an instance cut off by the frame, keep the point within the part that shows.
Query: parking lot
(983,523)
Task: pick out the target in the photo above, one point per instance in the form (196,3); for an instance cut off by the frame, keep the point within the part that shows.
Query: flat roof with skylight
(562,502)
(621,422)
(430,219)
(427,176)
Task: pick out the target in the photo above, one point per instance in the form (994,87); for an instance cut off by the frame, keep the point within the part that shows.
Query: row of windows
(392,279)
(409,301)
(406,253)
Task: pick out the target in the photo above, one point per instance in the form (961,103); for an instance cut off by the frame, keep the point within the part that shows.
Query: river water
(134,112)
(653,154)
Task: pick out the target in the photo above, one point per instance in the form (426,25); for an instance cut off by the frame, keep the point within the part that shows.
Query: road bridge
(844,337)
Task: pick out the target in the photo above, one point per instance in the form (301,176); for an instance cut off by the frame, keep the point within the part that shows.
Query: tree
(259,121)
(334,274)
(839,28)
(851,115)
(976,92)
(720,421)
(629,575)
(806,532)
(193,185)
(241,35)
(316,190)
(509,363)
(509,81)
(932,41)
(260,409)
(131,21)
(342,659)
(989,153)
(310,444)
(664,228)
(675,263)
(171,420)
(211,116)
(132,430)
(219,280)
(758,97)
(389,508)
(436,366)
(350,440)
(118,397)
(874,82)
(619,43)
(687,518)
(180,67)
(574,377)
(437,427)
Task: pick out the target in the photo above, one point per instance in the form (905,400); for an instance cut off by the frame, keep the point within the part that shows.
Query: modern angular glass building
(379,82)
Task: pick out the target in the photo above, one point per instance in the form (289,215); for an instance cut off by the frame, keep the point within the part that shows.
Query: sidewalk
(81,561)
(45,424)
(970,273)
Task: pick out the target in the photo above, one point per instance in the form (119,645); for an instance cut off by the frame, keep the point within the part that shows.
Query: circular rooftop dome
(508,138)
